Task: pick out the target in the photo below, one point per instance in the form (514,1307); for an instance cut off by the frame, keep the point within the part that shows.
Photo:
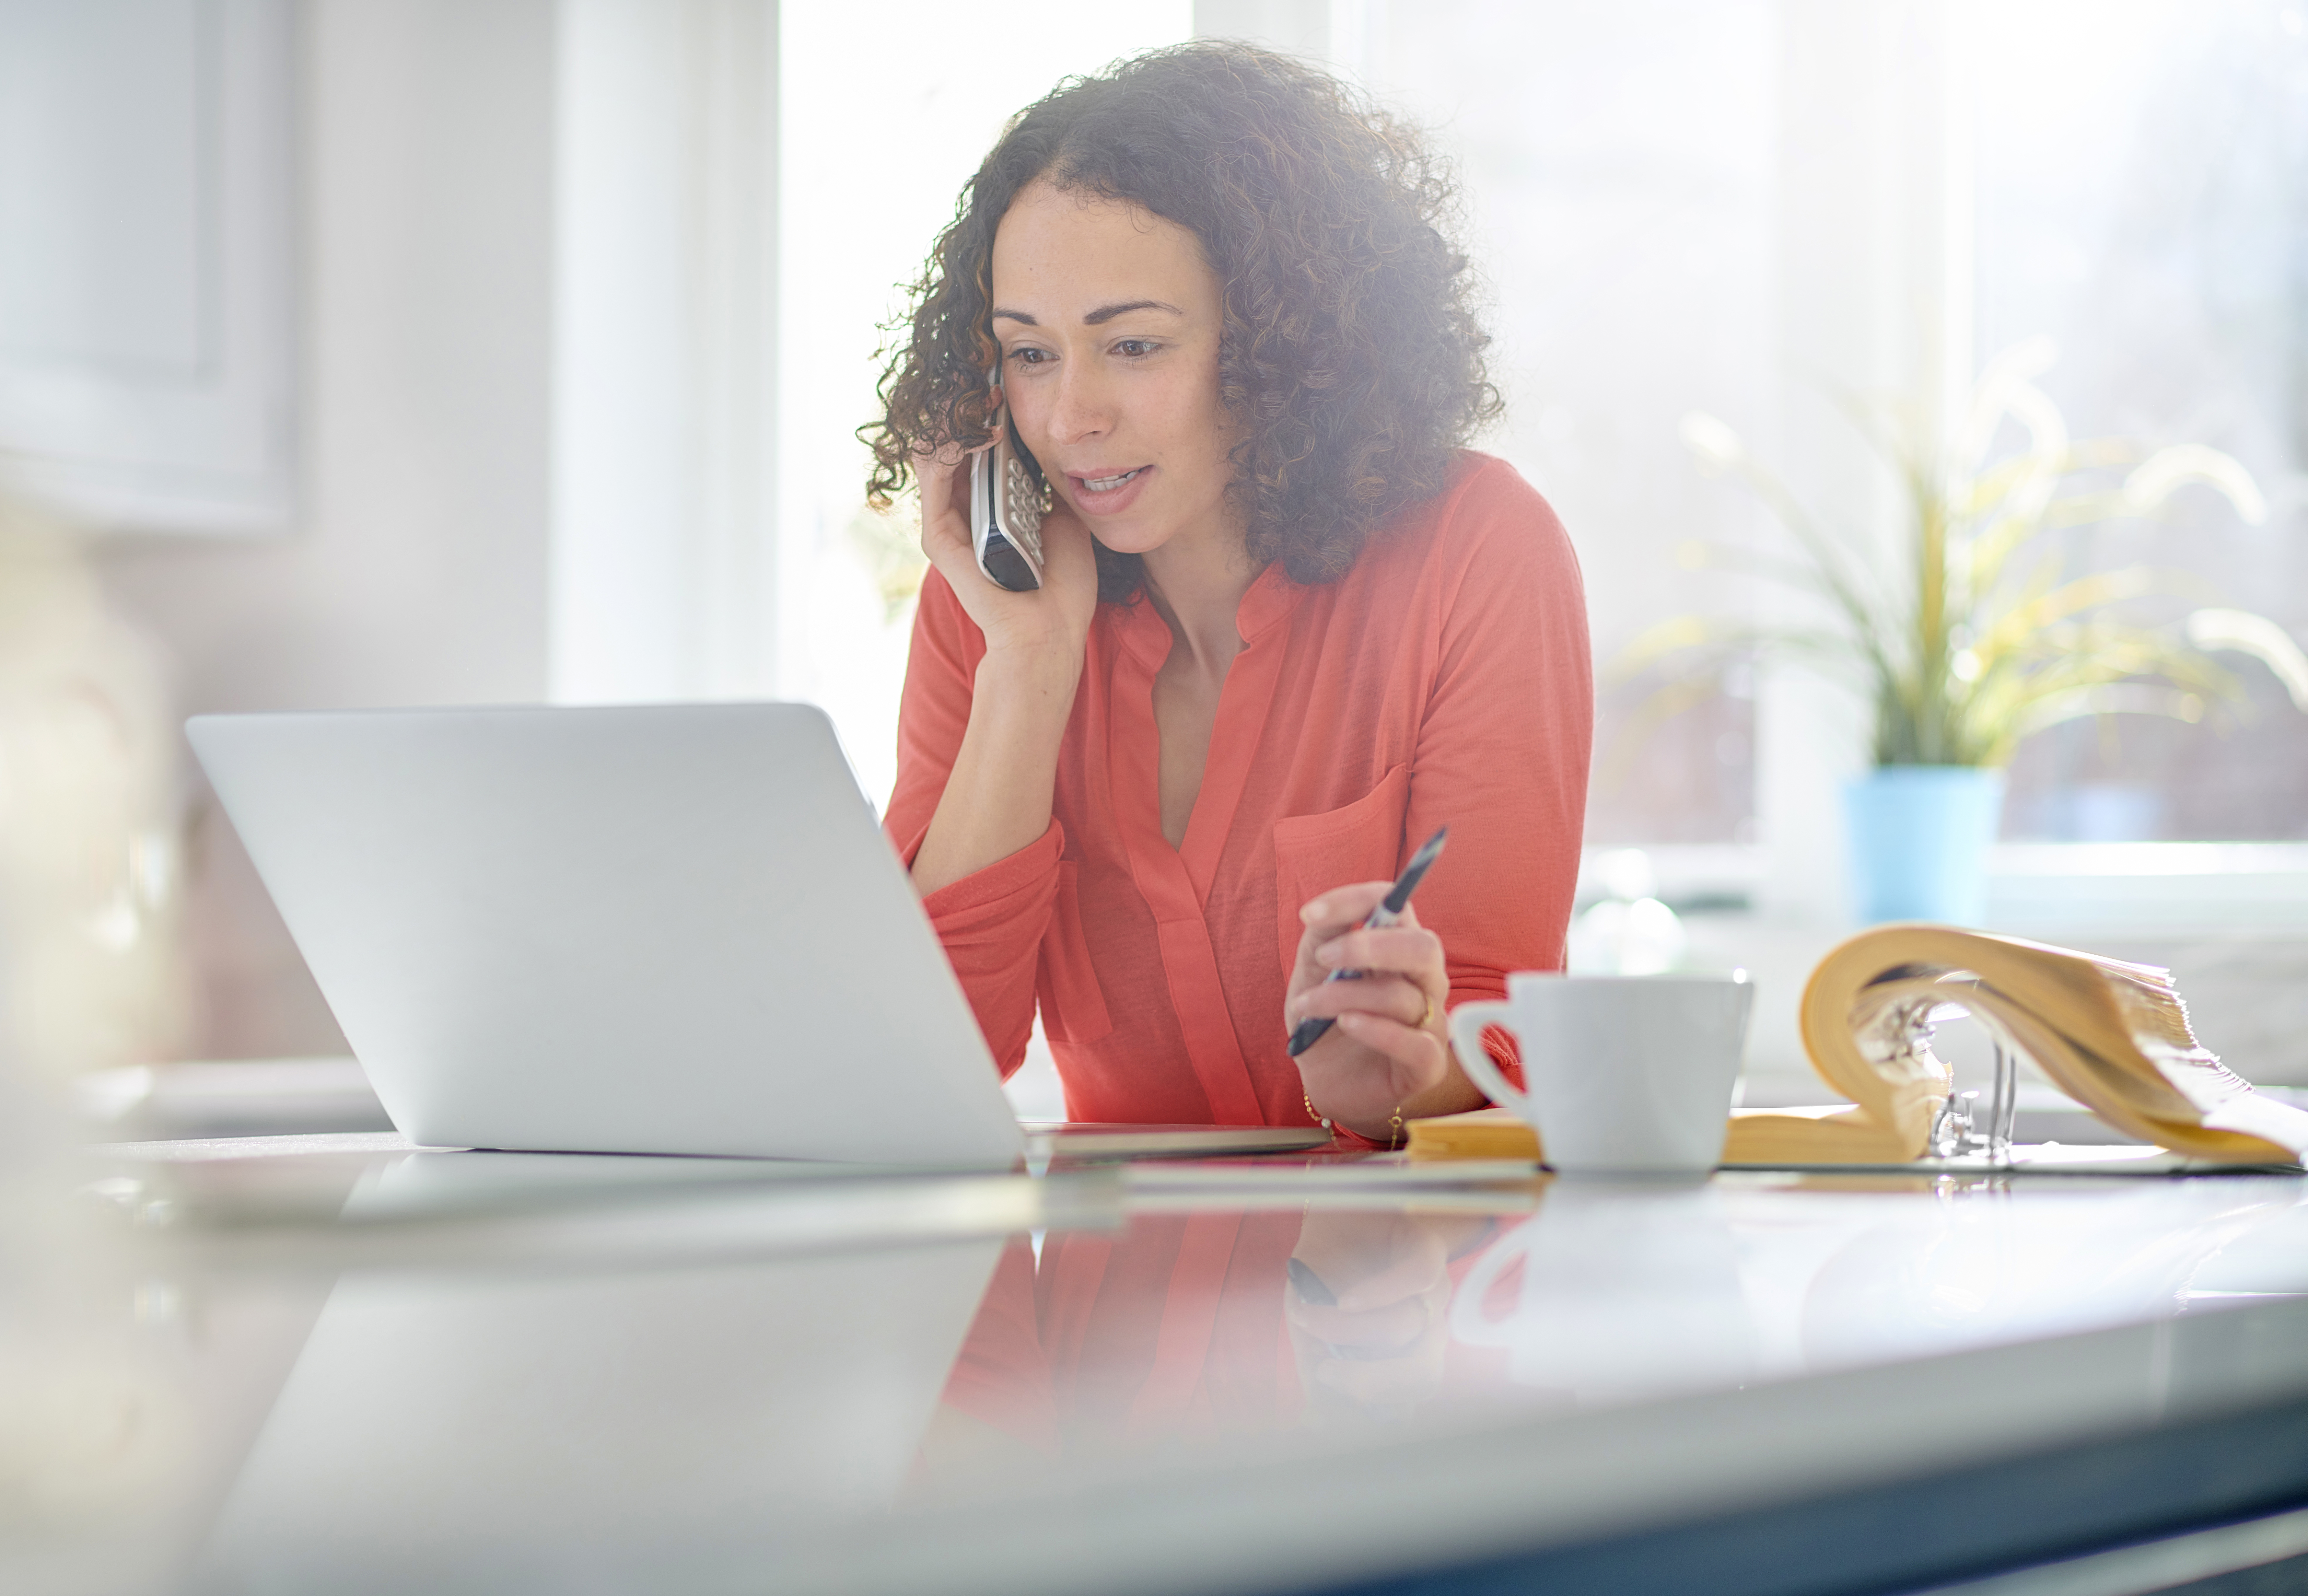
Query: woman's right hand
(998,791)
(1044,629)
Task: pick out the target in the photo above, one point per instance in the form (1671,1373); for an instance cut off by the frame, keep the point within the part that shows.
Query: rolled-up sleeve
(1504,746)
(990,922)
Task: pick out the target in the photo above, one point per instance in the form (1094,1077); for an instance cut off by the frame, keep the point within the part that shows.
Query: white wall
(417,572)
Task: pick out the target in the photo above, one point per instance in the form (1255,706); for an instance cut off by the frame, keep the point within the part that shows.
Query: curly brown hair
(1351,350)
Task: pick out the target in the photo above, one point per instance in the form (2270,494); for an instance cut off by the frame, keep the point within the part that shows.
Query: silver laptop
(673,929)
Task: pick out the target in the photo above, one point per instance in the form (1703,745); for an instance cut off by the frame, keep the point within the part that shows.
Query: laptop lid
(646,929)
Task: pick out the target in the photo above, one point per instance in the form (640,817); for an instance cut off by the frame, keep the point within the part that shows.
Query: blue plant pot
(1920,839)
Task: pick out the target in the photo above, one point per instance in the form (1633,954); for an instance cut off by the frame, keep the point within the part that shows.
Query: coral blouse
(1445,680)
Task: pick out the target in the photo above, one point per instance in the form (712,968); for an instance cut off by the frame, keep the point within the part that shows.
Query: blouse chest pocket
(1073,1004)
(1313,853)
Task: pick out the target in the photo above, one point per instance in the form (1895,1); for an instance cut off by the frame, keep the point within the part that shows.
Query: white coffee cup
(1628,1074)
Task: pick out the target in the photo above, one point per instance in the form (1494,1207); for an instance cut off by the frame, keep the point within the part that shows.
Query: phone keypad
(1025,510)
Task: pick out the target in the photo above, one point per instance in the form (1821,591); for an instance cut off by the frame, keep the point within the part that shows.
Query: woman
(1288,627)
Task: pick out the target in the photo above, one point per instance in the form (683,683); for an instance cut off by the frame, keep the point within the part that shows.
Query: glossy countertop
(390,1370)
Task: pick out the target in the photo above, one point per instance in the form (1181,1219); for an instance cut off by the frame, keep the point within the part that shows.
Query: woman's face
(1108,319)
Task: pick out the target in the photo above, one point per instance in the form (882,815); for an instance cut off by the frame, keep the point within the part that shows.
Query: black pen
(1389,909)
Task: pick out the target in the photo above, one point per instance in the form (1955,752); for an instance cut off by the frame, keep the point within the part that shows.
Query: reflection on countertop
(666,1365)
(1226,1325)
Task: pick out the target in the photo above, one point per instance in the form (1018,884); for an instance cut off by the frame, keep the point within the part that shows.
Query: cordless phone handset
(1007,497)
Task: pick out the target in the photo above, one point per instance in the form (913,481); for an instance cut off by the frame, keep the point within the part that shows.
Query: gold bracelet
(1394,1131)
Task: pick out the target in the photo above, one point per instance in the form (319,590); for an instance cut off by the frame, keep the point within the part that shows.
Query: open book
(2113,1036)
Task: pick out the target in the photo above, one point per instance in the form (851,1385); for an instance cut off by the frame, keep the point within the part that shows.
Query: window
(2143,199)
(1733,207)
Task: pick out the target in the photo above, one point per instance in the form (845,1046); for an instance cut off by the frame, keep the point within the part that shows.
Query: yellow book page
(1481,1133)
(1837,1133)
(1833,1134)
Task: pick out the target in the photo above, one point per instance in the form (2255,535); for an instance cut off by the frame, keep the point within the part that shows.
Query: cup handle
(1466,1023)
(1469,1321)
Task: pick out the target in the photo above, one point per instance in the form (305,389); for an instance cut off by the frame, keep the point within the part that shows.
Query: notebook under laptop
(671,929)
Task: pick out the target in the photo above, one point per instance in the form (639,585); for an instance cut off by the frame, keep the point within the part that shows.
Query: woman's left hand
(1389,1051)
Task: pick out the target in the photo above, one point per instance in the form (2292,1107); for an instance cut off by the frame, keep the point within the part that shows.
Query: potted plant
(1975,634)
